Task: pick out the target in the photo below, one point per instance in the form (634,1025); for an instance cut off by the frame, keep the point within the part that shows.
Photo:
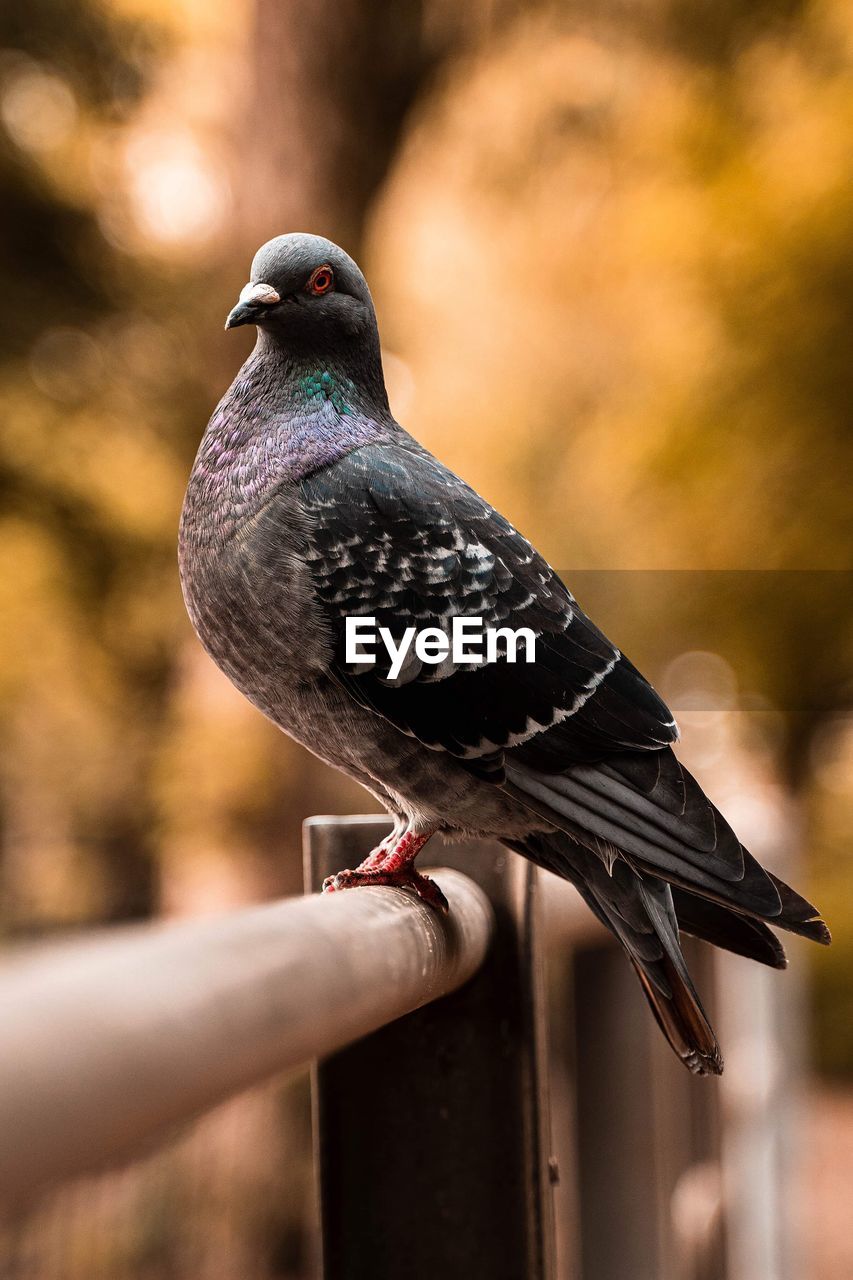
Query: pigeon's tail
(638,908)
(652,857)
(646,810)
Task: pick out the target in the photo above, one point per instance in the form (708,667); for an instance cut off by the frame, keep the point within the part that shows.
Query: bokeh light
(178,194)
(37,106)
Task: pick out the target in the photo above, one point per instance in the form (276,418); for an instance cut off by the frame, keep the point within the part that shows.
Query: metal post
(647,1148)
(431,1133)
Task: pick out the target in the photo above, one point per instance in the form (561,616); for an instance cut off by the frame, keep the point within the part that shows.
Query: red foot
(377,856)
(391,863)
(406,878)
(396,851)
(403,853)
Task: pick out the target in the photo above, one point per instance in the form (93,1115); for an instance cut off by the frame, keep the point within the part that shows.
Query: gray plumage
(307,504)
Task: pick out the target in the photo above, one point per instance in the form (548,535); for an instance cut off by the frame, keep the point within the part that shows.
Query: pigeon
(309,505)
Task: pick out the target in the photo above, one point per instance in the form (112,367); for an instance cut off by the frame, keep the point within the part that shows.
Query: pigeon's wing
(397,537)
(578,736)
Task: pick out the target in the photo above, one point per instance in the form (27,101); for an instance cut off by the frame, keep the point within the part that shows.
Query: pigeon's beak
(253,298)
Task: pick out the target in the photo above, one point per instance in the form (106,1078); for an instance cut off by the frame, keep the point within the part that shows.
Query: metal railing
(107,1043)
(434,1151)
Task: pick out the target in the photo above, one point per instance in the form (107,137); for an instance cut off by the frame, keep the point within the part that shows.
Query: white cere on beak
(259,293)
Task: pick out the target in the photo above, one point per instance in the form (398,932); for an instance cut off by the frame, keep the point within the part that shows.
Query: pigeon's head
(305,291)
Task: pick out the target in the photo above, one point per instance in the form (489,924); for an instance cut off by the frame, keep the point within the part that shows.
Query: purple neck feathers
(280,420)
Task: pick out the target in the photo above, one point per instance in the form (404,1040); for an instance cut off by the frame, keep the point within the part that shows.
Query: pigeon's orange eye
(321,281)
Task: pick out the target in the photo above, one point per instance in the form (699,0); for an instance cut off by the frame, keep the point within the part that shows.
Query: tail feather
(725,928)
(646,914)
(682,1020)
(652,857)
(798,915)
(680,1016)
(638,909)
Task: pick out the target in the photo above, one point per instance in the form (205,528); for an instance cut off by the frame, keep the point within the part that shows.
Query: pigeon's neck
(349,380)
(282,418)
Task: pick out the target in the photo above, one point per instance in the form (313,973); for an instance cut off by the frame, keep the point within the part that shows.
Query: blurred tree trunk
(332,83)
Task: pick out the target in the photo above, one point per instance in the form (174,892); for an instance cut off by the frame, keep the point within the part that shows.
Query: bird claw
(426,889)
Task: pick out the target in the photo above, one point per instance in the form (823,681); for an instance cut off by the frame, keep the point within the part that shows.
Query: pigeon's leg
(396,869)
(377,856)
(405,849)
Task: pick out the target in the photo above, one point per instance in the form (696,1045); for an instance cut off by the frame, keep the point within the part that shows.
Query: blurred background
(611,251)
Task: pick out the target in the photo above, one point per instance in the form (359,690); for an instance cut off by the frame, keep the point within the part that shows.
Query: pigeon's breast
(251,601)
